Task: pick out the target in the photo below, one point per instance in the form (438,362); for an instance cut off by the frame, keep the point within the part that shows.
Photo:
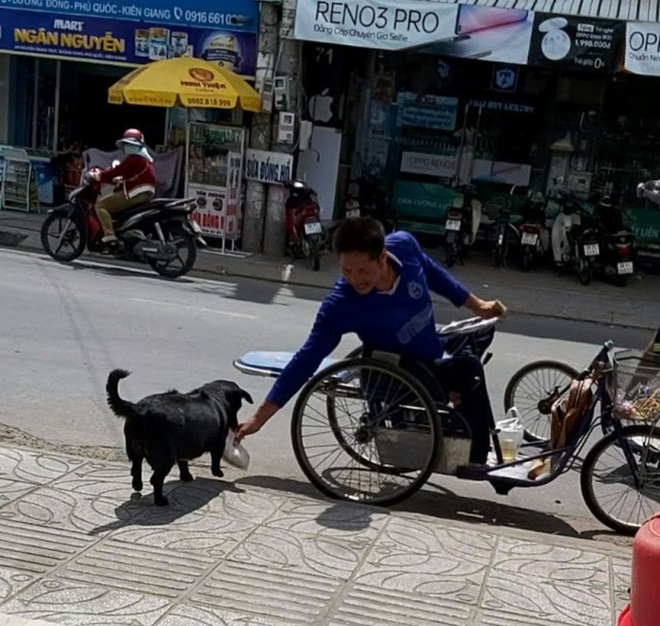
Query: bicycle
(404,428)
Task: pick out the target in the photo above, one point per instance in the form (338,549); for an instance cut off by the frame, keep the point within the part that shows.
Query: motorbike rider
(137,179)
(384,297)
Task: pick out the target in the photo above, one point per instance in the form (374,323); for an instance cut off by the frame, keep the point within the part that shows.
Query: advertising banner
(386,24)
(498,35)
(122,41)
(575,42)
(215,154)
(268,167)
(643,48)
(433,112)
(489,33)
(235,15)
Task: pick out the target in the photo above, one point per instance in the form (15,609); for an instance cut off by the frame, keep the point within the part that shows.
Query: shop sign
(433,112)
(643,48)
(235,15)
(645,223)
(268,167)
(499,105)
(215,155)
(421,200)
(437,165)
(574,42)
(386,24)
(122,41)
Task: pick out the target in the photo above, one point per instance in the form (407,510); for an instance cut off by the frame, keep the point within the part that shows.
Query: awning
(627,10)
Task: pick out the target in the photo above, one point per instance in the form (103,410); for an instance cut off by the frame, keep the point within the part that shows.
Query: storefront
(497,97)
(58,59)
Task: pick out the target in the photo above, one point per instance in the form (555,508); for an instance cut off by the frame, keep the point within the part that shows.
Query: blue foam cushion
(273,361)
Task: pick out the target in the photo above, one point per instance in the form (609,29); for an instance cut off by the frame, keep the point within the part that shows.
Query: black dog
(173,427)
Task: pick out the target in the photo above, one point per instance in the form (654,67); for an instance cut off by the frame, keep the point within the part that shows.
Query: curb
(512,310)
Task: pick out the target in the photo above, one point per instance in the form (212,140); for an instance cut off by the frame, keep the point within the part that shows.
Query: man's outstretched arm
(323,339)
(440,281)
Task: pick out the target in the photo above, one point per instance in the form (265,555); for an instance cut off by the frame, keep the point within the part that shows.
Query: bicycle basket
(636,386)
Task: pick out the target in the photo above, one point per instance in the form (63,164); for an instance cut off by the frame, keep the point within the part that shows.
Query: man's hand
(94,175)
(486,309)
(250,426)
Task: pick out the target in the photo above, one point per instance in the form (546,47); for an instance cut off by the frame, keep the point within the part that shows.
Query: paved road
(65,327)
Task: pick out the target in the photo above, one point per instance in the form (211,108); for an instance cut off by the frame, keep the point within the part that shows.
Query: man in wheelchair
(384,298)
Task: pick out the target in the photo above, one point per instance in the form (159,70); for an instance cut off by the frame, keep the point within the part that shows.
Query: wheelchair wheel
(366,430)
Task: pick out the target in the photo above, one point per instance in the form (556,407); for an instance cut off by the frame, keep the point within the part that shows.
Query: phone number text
(221,103)
(212,18)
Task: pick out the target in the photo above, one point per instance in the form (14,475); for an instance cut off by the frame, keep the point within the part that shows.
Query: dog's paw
(137,485)
(186,477)
(162,501)
(217,472)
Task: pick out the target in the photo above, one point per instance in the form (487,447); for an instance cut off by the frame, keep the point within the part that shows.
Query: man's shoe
(109,239)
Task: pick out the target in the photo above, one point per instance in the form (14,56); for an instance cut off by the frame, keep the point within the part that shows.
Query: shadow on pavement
(184,498)
(439,503)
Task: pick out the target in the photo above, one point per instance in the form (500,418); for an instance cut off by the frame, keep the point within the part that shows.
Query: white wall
(319,166)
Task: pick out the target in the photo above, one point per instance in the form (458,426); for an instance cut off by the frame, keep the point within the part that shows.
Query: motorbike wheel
(69,236)
(182,239)
(451,254)
(585,272)
(526,260)
(314,254)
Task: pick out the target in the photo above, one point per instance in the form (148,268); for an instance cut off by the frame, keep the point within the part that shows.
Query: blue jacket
(401,321)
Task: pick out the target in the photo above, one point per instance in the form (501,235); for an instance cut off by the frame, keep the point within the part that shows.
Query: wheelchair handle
(466,326)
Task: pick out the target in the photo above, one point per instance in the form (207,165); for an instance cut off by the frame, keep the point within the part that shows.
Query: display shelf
(18,190)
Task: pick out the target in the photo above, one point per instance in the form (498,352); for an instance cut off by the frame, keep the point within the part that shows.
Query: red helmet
(132,136)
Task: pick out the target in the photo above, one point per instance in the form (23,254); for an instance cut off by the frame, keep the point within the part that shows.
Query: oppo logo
(643,42)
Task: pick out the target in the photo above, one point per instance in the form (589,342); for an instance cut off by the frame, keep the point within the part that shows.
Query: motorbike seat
(154,203)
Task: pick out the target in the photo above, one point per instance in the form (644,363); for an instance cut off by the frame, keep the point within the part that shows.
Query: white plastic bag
(235,455)
(510,432)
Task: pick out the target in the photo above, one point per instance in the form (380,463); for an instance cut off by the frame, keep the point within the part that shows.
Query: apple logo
(556,44)
(319,107)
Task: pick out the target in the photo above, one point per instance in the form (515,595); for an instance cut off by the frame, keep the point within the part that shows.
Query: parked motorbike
(533,234)
(575,238)
(462,224)
(155,233)
(617,259)
(304,231)
(367,198)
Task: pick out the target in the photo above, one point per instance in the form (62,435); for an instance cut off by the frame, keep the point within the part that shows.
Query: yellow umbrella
(185,81)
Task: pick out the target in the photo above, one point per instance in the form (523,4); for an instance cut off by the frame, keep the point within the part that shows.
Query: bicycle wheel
(532,390)
(622,469)
(379,442)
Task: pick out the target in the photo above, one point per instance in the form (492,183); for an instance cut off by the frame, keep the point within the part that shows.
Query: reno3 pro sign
(387,24)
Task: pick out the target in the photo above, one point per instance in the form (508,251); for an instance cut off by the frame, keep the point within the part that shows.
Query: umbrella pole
(187,152)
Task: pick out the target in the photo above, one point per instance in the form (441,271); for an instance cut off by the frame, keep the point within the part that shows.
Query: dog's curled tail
(119,406)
